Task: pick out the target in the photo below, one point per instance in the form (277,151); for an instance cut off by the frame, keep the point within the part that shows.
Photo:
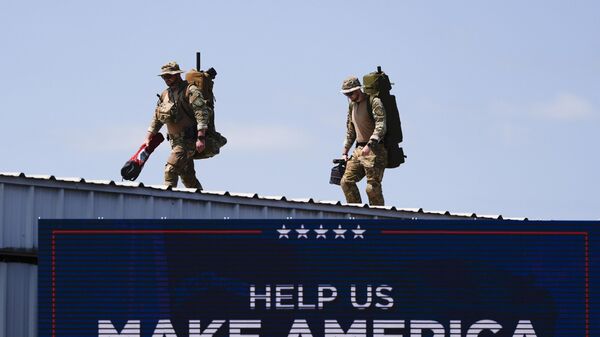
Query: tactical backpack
(377,84)
(204,80)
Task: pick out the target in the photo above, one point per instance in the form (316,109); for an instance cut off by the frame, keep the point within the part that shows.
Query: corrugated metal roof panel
(389,208)
(414,210)
(41,176)
(185,190)
(71,179)
(224,193)
(100,182)
(244,195)
(466,215)
(159,187)
(127,183)
(273,197)
(330,202)
(306,200)
(24,199)
(516,219)
(13,174)
(438,212)
(489,216)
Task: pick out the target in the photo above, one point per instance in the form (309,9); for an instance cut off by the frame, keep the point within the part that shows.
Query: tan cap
(170,68)
(350,84)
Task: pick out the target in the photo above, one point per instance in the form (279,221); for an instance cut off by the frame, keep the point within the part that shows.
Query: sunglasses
(351,93)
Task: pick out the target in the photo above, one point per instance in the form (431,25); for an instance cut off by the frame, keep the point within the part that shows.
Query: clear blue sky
(499,99)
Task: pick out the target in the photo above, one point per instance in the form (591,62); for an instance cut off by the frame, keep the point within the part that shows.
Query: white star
(321,232)
(283,232)
(339,232)
(358,233)
(302,232)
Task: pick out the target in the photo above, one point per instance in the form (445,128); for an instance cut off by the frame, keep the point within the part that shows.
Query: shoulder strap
(162,96)
(185,103)
(370,106)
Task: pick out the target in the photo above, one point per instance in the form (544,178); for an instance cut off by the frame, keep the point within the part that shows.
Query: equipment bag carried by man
(337,172)
(133,167)
(204,80)
(377,84)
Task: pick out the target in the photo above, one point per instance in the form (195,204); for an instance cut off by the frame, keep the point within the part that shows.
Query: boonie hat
(170,68)
(350,84)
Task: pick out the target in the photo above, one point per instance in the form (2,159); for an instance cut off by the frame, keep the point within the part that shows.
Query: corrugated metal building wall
(25,199)
(18,299)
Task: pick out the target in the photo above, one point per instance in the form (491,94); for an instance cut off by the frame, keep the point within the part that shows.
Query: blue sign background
(443,271)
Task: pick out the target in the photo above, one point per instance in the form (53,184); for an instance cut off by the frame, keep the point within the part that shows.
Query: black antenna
(198,61)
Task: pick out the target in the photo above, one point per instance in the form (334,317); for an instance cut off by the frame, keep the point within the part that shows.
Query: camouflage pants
(359,166)
(181,164)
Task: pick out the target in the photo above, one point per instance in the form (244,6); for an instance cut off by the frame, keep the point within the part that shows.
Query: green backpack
(377,84)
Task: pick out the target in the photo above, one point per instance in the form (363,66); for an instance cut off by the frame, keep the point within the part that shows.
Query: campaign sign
(318,278)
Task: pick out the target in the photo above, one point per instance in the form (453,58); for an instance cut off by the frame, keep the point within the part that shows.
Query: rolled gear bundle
(213,144)
(133,167)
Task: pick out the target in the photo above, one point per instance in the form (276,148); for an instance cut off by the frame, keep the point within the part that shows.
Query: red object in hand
(133,167)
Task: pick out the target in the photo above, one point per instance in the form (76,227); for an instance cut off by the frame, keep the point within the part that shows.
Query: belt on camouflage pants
(185,134)
(359,144)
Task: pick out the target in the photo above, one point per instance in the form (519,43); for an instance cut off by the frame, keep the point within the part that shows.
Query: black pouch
(395,155)
(337,172)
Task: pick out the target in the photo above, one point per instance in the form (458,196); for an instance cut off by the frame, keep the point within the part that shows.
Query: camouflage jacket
(377,111)
(180,108)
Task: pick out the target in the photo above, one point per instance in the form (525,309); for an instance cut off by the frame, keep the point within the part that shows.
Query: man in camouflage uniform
(365,125)
(187,116)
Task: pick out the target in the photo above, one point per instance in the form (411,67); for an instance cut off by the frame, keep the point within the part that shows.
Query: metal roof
(187,193)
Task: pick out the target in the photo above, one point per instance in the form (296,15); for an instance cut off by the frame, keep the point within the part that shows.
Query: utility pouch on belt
(337,172)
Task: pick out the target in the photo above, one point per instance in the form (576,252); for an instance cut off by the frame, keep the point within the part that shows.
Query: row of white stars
(340,233)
